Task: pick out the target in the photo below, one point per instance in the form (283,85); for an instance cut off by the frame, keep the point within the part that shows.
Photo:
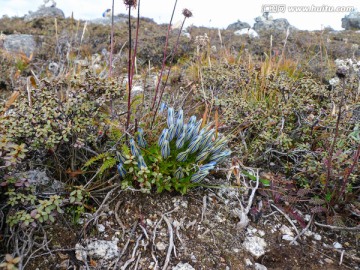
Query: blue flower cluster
(189,139)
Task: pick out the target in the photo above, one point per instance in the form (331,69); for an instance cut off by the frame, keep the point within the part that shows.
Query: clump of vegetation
(182,157)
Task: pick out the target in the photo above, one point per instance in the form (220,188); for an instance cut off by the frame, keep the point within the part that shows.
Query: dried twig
(287,217)
(337,228)
(303,231)
(119,220)
(171,243)
(128,262)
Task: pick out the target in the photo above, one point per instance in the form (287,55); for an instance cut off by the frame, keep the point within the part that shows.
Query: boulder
(107,20)
(18,43)
(275,25)
(351,21)
(250,32)
(44,12)
(238,26)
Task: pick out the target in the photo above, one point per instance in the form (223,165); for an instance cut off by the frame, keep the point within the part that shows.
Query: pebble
(259,266)
(329,261)
(287,237)
(160,246)
(337,245)
(248,262)
(255,245)
(286,230)
(317,237)
(101,228)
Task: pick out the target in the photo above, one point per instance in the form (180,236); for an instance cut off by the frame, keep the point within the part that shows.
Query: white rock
(255,245)
(287,237)
(102,249)
(160,246)
(317,237)
(308,233)
(259,266)
(100,228)
(261,233)
(136,90)
(80,253)
(248,262)
(337,245)
(186,34)
(251,231)
(250,32)
(149,222)
(307,217)
(183,266)
(286,230)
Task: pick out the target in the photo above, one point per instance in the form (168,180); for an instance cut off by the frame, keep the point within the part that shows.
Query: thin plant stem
(169,70)
(129,76)
(349,171)
(136,43)
(111,39)
(336,135)
(164,58)
(111,54)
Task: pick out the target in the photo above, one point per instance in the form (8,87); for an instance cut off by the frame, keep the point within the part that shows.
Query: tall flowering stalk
(129,4)
(187,14)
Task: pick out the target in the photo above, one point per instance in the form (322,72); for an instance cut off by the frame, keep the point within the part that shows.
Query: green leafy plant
(181,158)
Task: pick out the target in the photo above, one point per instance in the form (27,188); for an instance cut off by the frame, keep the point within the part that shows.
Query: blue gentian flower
(141,141)
(182,156)
(165,149)
(163,136)
(170,118)
(121,169)
(141,162)
(133,147)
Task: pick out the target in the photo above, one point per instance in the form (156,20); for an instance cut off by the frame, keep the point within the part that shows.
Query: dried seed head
(130,3)
(187,13)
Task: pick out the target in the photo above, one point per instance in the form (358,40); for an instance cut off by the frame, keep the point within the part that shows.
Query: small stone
(101,228)
(308,233)
(193,258)
(80,253)
(329,261)
(236,250)
(286,230)
(287,237)
(337,245)
(307,217)
(248,262)
(317,237)
(149,222)
(261,233)
(160,246)
(251,230)
(259,266)
(255,245)
(183,266)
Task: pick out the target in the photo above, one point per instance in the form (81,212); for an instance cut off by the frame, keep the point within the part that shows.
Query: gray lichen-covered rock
(107,20)
(183,266)
(20,44)
(238,25)
(276,25)
(351,21)
(44,13)
(42,182)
